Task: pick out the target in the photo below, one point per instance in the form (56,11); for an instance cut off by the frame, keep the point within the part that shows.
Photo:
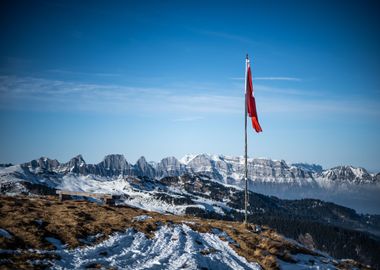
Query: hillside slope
(336,230)
(39,232)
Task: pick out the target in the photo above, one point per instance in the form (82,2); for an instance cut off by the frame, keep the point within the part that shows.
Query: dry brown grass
(31,219)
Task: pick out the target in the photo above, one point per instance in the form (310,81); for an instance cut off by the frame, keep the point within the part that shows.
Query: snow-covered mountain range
(347,185)
(228,170)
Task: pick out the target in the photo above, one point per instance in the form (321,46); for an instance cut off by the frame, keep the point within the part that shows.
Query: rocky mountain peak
(43,163)
(200,160)
(170,166)
(141,160)
(143,168)
(75,165)
(348,173)
(114,162)
(377,178)
(78,160)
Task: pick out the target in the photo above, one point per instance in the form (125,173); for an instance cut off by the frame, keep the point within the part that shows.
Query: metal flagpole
(246,155)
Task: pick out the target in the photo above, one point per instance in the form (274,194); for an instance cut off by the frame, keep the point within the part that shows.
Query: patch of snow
(141,218)
(90,239)
(187,158)
(173,247)
(146,201)
(4,233)
(39,222)
(189,222)
(223,234)
(93,184)
(359,172)
(305,261)
(55,242)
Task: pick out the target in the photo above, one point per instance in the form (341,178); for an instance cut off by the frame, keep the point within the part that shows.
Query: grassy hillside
(33,221)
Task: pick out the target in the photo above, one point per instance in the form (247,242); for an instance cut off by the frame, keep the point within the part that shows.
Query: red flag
(250,99)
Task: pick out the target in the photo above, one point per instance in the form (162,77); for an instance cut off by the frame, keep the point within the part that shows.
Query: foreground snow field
(175,247)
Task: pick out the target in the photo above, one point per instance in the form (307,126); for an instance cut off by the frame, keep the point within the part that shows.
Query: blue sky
(165,78)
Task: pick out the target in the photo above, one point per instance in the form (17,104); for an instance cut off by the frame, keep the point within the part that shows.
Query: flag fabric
(250,99)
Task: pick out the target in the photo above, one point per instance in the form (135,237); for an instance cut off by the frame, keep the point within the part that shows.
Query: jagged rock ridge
(229,170)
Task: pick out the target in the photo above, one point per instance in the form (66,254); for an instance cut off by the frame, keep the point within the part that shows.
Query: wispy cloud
(261,87)
(289,91)
(277,79)
(29,93)
(312,107)
(70,72)
(269,79)
(46,94)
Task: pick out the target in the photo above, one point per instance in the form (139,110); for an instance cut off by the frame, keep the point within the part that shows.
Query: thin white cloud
(277,79)
(53,95)
(288,91)
(69,72)
(206,103)
(293,79)
(313,107)
(28,92)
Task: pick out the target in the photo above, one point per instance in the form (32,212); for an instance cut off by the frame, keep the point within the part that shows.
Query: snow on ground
(7,171)
(305,261)
(5,234)
(93,184)
(117,186)
(187,158)
(173,247)
(144,200)
(55,242)
(202,202)
(137,197)
(141,218)
(13,174)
